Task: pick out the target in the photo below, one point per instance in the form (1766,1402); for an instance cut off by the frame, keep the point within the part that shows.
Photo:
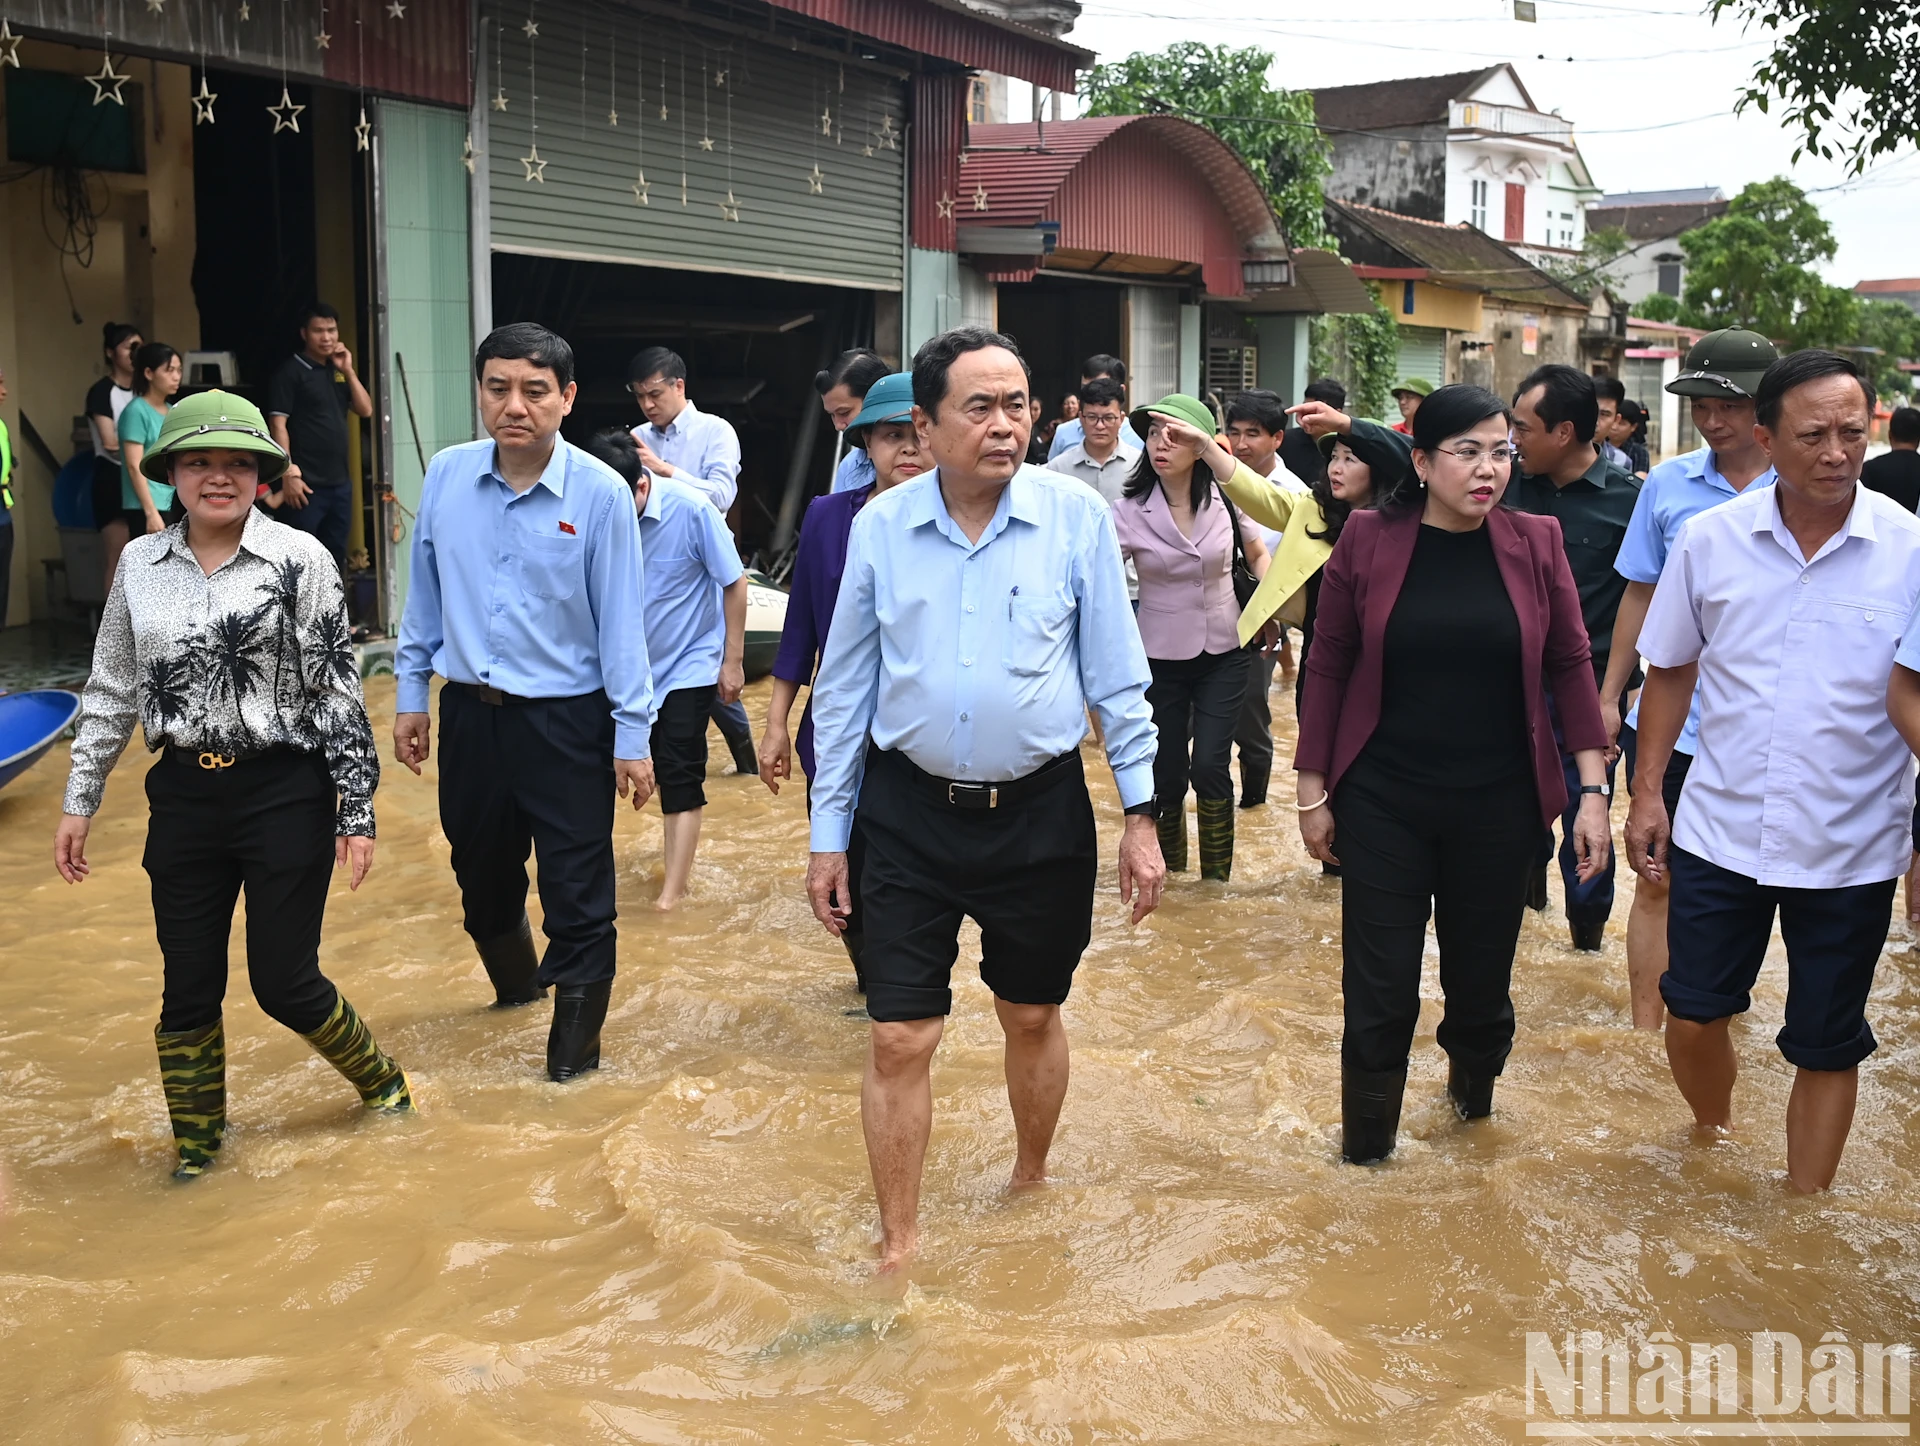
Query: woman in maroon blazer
(1427,766)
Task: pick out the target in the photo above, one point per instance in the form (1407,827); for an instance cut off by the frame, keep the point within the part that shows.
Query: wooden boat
(29,724)
(766,615)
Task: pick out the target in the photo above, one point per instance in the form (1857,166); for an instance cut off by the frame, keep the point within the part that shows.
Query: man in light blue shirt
(983,610)
(679,440)
(696,607)
(1721,374)
(843,387)
(1071,433)
(525,595)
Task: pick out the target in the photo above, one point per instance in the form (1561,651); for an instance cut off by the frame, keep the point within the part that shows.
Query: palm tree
(329,649)
(168,678)
(281,591)
(229,655)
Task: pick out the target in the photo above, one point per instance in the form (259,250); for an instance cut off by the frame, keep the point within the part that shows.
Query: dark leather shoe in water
(573,1044)
(1589,938)
(1472,1097)
(1370,1113)
(1537,890)
(513,965)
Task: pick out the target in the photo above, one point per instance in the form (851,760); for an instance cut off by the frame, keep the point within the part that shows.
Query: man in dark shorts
(983,610)
(1787,607)
(696,609)
(307,405)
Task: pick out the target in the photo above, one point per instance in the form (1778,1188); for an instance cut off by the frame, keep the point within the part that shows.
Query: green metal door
(1423,353)
(426,336)
(756,161)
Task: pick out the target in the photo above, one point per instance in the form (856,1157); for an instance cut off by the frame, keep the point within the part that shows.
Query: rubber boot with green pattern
(1216,838)
(193,1076)
(1172,826)
(346,1043)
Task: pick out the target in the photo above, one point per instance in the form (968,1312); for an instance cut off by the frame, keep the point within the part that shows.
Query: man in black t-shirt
(307,405)
(1896,474)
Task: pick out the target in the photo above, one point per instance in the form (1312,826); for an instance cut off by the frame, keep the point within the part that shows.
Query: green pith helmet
(1727,363)
(1191,410)
(1419,386)
(214,419)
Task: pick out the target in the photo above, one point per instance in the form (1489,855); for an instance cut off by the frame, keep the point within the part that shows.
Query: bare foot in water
(896,1255)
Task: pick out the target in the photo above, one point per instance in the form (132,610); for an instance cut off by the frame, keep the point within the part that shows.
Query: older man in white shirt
(1787,605)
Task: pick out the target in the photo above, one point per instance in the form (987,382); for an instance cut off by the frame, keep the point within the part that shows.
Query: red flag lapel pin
(567,527)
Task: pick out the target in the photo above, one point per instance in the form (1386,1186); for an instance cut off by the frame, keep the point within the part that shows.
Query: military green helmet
(1419,386)
(214,419)
(1727,363)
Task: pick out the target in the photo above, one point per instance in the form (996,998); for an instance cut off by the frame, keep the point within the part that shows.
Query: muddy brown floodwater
(679,1249)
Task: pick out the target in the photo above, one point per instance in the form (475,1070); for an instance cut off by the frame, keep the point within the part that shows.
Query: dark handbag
(1245,584)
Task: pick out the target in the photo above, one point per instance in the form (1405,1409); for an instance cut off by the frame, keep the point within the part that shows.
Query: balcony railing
(1511,120)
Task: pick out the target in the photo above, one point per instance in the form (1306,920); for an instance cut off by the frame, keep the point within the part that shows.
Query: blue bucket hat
(888,400)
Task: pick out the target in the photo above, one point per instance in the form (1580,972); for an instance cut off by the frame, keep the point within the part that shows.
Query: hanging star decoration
(720,77)
(397,10)
(362,131)
(9,46)
(468,153)
(500,99)
(889,138)
(816,182)
(706,143)
(826,122)
(663,109)
(945,207)
(613,117)
(203,103)
(536,168)
(866,150)
(323,40)
(156,7)
(106,85)
(729,208)
(640,188)
(979,198)
(246,12)
(531,30)
(286,115)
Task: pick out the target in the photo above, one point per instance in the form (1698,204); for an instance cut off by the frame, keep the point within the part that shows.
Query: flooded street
(678,1250)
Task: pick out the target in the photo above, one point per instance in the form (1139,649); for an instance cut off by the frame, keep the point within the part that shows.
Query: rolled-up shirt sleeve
(1671,637)
(615,583)
(845,695)
(1113,663)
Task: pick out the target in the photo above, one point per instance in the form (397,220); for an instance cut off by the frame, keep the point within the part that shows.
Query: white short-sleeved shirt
(1800,780)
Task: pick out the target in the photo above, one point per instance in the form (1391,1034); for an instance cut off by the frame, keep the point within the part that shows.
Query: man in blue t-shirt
(1719,378)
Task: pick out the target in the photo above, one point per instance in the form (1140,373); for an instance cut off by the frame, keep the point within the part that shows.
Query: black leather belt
(491,695)
(216,760)
(973,796)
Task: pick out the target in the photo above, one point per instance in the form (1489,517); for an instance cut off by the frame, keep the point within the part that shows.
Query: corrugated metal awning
(949,30)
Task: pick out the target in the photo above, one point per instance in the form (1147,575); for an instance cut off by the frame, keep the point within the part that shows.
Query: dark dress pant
(1198,698)
(533,775)
(265,825)
(329,509)
(1253,733)
(1461,854)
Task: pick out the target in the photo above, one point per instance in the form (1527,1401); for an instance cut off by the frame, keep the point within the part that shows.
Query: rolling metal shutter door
(848,234)
(1423,353)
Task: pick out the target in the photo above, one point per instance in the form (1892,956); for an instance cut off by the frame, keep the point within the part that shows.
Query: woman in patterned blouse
(225,636)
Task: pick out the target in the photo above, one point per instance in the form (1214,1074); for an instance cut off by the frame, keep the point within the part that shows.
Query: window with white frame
(1478,205)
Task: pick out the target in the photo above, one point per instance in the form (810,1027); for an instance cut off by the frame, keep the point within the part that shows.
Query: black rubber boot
(1588,938)
(1370,1113)
(1472,1098)
(1537,890)
(746,758)
(573,1044)
(1253,785)
(513,966)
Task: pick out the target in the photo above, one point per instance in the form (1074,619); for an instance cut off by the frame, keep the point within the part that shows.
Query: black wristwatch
(1602,789)
(1149,809)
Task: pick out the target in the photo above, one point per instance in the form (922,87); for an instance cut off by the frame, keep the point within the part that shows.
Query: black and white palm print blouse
(256,656)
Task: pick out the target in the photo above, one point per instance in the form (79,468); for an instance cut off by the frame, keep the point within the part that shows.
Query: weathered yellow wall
(141,271)
(1433,305)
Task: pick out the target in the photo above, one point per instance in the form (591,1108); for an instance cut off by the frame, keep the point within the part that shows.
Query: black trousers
(1198,698)
(328,513)
(1464,854)
(265,825)
(533,775)
(1253,732)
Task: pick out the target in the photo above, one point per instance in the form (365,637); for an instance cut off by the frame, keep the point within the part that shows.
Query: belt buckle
(992,791)
(211,760)
(489,694)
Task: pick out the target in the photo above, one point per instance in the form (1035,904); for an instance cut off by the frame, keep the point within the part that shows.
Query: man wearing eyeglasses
(1562,475)
(1102,459)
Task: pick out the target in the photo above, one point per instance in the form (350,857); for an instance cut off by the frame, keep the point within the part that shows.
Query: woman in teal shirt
(156,371)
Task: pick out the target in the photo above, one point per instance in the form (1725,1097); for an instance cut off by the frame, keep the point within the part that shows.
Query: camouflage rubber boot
(193,1076)
(346,1043)
(1172,826)
(1216,838)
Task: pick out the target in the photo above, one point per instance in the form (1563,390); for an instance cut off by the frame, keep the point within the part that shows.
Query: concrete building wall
(1405,172)
(51,311)
(1505,360)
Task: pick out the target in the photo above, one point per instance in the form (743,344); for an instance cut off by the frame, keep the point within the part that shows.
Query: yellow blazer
(1299,556)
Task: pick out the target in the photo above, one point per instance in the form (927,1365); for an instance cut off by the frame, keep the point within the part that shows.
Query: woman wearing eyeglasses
(1427,766)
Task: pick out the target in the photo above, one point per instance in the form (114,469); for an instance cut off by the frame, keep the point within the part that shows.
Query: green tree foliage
(1226,90)
(1893,332)
(1592,267)
(1364,348)
(1753,267)
(1847,73)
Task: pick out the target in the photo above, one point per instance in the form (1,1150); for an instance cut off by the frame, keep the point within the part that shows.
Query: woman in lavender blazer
(884,432)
